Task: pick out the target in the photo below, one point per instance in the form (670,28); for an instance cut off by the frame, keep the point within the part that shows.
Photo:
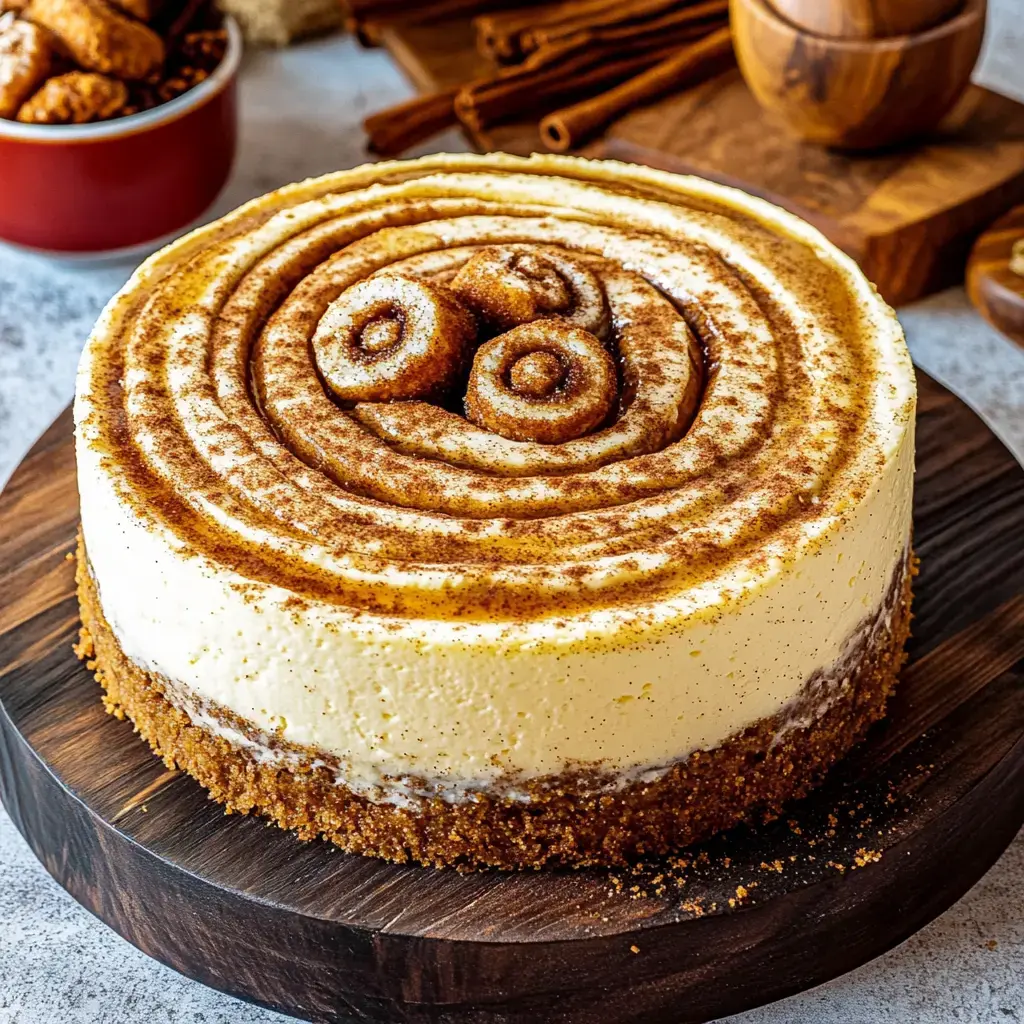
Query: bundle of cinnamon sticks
(575,65)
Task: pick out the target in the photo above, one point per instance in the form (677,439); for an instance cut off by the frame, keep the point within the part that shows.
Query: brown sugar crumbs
(864,857)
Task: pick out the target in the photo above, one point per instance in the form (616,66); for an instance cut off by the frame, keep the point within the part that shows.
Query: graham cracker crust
(567,822)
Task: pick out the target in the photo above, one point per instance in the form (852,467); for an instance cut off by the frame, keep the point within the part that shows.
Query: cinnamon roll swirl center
(382,333)
(537,374)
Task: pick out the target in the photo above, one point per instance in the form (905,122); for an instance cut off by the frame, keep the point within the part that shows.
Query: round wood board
(996,291)
(901,830)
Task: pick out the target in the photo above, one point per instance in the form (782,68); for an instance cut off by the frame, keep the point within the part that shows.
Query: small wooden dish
(996,291)
(856,93)
(866,19)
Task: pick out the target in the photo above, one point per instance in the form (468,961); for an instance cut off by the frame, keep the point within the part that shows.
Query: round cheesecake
(488,511)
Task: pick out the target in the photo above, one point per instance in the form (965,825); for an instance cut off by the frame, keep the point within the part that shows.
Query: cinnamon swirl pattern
(456,479)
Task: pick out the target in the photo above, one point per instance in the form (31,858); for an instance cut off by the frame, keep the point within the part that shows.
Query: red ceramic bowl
(115,185)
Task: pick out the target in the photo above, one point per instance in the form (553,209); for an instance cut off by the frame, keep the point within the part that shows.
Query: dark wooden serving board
(903,828)
(908,215)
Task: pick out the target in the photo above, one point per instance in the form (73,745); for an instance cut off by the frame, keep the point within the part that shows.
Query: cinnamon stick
(556,74)
(500,35)
(397,128)
(569,128)
(701,17)
(551,77)
(570,18)
(509,36)
(392,131)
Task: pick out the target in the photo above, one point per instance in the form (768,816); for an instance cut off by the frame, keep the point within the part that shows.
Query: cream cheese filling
(466,705)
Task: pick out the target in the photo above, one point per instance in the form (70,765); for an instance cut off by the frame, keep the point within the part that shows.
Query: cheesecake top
(517,393)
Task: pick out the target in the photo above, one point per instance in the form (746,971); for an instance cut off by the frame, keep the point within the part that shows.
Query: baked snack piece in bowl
(117,121)
(489,511)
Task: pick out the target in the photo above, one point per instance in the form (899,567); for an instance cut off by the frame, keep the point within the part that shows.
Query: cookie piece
(75,98)
(26,58)
(98,38)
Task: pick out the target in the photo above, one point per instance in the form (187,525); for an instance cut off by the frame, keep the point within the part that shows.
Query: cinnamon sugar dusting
(759,385)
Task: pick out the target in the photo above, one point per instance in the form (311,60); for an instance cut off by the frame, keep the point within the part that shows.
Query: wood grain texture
(936,792)
(909,215)
(856,93)
(439,55)
(995,289)
(866,19)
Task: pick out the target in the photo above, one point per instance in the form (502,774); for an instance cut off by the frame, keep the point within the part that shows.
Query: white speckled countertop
(301,111)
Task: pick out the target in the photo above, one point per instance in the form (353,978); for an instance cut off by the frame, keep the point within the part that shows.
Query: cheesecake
(481,511)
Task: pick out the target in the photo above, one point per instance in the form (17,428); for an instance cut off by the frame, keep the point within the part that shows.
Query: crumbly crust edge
(566,822)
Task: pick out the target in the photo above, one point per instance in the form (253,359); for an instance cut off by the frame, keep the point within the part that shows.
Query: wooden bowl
(866,19)
(856,93)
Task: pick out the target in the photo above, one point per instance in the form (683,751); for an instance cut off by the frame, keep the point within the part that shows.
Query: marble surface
(301,111)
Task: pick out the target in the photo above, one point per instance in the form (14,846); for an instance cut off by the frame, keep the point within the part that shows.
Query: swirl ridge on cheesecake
(439,496)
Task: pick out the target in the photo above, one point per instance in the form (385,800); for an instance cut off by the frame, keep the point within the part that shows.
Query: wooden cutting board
(908,215)
(901,830)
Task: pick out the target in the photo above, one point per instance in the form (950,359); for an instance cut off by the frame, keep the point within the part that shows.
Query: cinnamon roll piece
(543,381)
(390,338)
(517,284)
(100,38)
